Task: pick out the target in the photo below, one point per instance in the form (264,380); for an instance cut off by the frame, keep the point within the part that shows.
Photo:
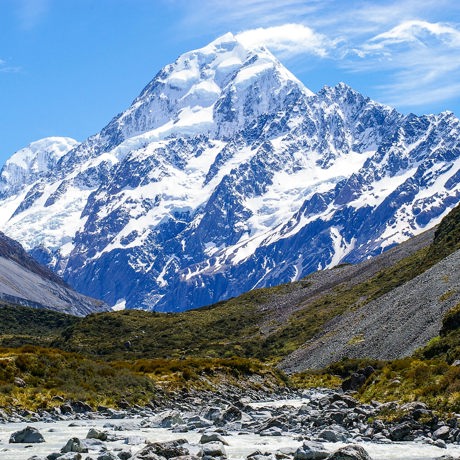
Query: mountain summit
(226,174)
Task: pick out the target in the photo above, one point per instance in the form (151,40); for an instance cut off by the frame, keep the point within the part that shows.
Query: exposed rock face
(227,174)
(25,282)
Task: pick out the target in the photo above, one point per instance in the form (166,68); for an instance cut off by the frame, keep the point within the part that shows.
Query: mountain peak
(223,176)
(30,162)
(186,96)
(226,41)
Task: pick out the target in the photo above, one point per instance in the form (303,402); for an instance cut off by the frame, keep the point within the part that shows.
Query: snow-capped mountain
(32,162)
(227,174)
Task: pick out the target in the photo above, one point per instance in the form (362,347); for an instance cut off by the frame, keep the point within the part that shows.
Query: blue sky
(68,66)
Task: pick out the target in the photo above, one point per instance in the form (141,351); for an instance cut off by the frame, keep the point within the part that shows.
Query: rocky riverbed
(312,424)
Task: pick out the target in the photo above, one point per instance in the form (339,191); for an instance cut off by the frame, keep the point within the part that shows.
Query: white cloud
(419,58)
(288,40)
(417,32)
(6,68)
(406,49)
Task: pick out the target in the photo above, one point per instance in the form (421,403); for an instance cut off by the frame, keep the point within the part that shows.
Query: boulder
(232,414)
(212,437)
(274,431)
(214,449)
(168,449)
(354,382)
(351,452)
(80,407)
(74,445)
(334,433)
(108,456)
(124,455)
(311,450)
(442,433)
(174,418)
(96,434)
(400,431)
(70,456)
(29,435)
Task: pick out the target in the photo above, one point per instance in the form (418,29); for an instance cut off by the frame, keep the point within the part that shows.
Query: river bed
(57,433)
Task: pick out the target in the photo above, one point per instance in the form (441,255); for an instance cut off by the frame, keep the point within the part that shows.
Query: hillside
(25,282)
(272,323)
(246,335)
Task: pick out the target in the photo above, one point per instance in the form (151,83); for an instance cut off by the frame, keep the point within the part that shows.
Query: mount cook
(227,174)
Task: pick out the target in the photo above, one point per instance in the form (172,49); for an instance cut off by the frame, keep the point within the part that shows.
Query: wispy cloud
(411,48)
(6,68)
(416,32)
(420,58)
(288,40)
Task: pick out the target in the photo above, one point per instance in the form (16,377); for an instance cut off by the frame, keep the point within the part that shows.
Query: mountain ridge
(227,174)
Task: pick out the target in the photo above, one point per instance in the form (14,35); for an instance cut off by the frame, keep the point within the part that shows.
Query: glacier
(227,174)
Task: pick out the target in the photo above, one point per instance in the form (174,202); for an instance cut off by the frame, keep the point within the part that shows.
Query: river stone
(124,455)
(214,449)
(334,433)
(211,437)
(96,434)
(440,443)
(74,445)
(442,433)
(29,435)
(70,456)
(168,449)
(80,407)
(108,456)
(54,456)
(351,452)
(311,450)
(212,413)
(174,418)
(399,432)
(232,414)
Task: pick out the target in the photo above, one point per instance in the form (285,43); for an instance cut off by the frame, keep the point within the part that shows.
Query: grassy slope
(24,325)
(226,329)
(428,375)
(231,328)
(155,345)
